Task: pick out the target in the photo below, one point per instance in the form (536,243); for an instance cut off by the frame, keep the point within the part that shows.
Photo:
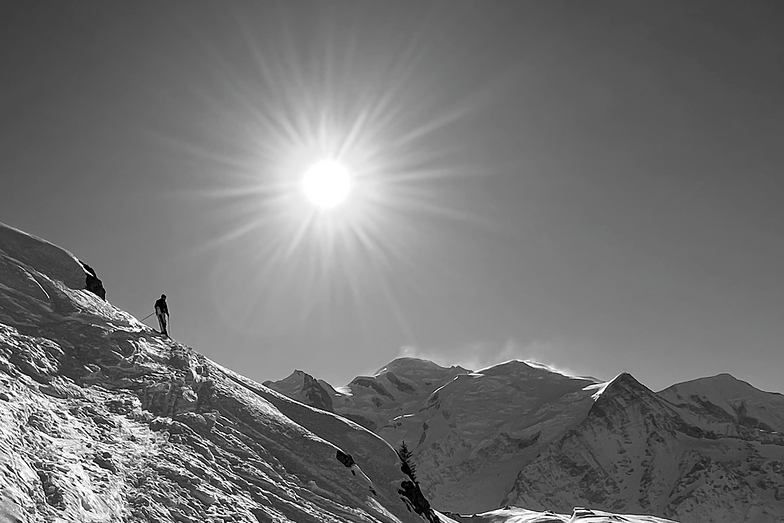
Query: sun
(326,184)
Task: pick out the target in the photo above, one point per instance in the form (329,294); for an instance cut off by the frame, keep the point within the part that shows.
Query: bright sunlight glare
(281,165)
(326,184)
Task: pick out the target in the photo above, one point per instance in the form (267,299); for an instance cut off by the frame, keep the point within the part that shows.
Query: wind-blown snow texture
(709,450)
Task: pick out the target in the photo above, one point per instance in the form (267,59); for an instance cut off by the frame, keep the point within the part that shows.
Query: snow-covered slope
(396,389)
(728,401)
(20,250)
(472,435)
(102,419)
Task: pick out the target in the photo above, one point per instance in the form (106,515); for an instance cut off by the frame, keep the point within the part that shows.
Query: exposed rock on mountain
(305,388)
(92,283)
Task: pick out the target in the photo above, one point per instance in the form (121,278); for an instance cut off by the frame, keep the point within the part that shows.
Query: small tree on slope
(407,463)
(410,489)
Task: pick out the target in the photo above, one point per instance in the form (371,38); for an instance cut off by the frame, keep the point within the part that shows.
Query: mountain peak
(302,386)
(624,385)
(724,384)
(627,379)
(725,375)
(729,398)
(524,370)
(404,365)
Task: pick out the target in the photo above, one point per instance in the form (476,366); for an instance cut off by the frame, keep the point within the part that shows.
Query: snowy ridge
(30,252)
(472,435)
(728,401)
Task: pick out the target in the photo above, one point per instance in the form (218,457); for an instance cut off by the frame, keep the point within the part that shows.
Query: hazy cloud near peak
(480,355)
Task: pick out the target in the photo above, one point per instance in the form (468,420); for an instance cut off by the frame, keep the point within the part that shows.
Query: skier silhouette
(162,312)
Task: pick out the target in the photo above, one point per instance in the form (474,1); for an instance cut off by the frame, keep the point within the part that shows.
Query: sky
(592,185)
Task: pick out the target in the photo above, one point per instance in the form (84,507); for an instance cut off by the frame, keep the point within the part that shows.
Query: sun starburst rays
(270,125)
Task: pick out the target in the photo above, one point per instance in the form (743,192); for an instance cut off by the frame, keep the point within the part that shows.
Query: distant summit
(371,400)
(730,401)
(412,367)
(305,388)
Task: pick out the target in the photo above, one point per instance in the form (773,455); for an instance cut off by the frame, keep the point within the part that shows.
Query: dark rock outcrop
(92,283)
(372,383)
(344,458)
(316,394)
(411,492)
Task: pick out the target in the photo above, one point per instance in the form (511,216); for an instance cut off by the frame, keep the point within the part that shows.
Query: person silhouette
(162,312)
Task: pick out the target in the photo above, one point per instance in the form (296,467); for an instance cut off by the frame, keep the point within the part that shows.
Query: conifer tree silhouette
(407,464)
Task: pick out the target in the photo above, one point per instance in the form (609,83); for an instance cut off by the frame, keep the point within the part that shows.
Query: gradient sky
(594,185)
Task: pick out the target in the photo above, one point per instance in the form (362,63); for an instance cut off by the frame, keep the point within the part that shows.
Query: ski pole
(147,316)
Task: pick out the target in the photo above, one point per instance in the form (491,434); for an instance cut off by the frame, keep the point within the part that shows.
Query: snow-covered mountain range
(102,419)
(709,450)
